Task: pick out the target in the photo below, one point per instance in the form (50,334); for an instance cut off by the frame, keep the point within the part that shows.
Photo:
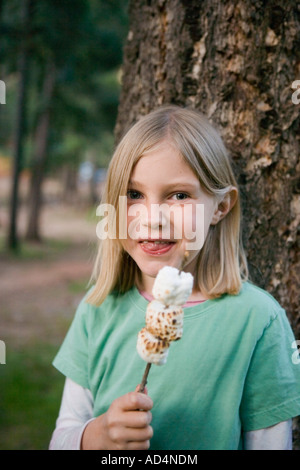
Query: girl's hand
(125,425)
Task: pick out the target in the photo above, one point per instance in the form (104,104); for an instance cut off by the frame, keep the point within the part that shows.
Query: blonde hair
(221,265)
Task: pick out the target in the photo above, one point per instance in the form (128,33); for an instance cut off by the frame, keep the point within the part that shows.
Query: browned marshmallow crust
(165,323)
(152,349)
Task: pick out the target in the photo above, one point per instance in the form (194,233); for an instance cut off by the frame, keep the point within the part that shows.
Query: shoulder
(257,297)
(258,316)
(254,303)
(115,301)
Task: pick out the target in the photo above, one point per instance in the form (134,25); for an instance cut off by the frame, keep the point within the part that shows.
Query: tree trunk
(23,69)
(235,62)
(70,187)
(40,157)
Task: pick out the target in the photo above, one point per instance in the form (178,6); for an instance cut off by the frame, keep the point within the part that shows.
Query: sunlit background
(61,65)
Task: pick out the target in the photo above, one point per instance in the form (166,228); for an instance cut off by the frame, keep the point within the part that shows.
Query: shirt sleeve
(277,437)
(272,385)
(76,411)
(72,357)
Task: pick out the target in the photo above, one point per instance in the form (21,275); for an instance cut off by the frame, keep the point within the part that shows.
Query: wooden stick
(144,379)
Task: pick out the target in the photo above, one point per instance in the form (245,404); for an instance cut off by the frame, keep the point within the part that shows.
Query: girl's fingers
(139,435)
(135,401)
(138,445)
(137,419)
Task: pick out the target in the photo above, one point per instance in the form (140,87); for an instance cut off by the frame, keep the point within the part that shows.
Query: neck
(145,284)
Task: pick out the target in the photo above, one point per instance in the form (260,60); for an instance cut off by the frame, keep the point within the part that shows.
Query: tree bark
(40,157)
(235,62)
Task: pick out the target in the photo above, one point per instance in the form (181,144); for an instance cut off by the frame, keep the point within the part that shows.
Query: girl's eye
(131,194)
(180,196)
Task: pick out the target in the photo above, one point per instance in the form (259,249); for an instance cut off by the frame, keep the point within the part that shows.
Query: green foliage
(30,394)
(84,40)
(33,251)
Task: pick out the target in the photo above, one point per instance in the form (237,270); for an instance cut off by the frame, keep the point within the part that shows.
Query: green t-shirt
(232,371)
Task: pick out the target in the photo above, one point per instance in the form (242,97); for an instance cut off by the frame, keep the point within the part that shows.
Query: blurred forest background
(61,64)
(77,74)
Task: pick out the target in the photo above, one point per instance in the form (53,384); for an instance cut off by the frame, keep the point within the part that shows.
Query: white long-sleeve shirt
(76,412)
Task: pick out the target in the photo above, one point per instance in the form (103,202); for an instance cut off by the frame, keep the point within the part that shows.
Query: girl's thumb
(137,389)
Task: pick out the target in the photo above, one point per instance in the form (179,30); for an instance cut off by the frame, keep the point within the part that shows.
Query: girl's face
(161,186)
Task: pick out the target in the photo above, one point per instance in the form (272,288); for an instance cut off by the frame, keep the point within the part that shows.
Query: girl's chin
(150,261)
(151,268)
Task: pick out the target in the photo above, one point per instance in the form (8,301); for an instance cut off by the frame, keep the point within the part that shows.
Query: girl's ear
(225,205)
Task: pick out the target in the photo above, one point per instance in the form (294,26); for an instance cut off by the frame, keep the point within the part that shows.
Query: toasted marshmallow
(152,349)
(172,287)
(164,322)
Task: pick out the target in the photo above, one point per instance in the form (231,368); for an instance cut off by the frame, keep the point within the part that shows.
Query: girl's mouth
(156,247)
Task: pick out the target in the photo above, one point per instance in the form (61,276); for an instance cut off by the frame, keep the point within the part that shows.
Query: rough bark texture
(236,62)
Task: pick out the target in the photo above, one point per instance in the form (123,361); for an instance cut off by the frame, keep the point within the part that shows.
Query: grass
(30,395)
(30,387)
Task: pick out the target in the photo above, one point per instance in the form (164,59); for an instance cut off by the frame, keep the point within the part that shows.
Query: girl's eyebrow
(174,184)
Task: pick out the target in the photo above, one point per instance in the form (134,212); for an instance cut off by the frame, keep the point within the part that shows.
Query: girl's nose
(155,216)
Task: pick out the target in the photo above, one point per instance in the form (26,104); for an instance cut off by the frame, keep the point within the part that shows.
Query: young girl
(230,382)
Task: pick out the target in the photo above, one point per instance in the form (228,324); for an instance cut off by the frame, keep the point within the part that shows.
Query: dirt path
(38,297)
